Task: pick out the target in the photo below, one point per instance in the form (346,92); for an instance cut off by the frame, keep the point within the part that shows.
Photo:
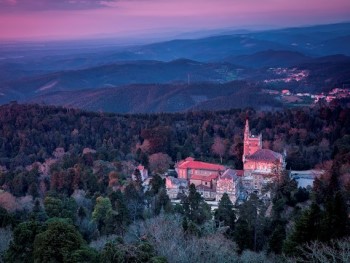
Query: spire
(246,129)
(246,140)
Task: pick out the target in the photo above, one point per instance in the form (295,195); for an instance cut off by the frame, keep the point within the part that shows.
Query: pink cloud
(78,18)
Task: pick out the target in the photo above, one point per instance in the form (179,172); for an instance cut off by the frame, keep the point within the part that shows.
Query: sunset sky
(74,19)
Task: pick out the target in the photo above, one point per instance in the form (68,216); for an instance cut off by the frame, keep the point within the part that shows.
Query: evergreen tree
(104,216)
(156,184)
(134,199)
(162,202)
(307,228)
(21,248)
(277,237)
(57,243)
(225,214)
(195,208)
(119,205)
(250,226)
(335,223)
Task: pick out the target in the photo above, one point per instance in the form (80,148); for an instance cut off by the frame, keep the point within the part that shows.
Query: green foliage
(129,253)
(57,243)
(60,207)
(111,253)
(195,208)
(122,213)
(104,216)
(225,214)
(156,184)
(158,259)
(21,248)
(134,198)
(250,226)
(336,218)
(85,255)
(112,136)
(308,227)
(5,218)
(275,242)
(162,202)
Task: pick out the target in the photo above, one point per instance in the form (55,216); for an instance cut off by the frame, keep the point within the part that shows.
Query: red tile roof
(265,155)
(191,164)
(206,178)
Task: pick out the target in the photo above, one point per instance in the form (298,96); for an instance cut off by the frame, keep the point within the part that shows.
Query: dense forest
(66,193)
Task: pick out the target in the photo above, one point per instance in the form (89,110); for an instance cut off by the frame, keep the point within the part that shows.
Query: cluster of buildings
(260,167)
(336,93)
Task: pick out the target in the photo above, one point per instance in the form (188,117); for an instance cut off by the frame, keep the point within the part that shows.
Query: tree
(53,206)
(57,207)
(307,228)
(250,226)
(5,218)
(156,184)
(195,208)
(218,147)
(119,205)
(21,248)
(225,215)
(162,202)
(319,252)
(277,237)
(111,253)
(336,221)
(135,201)
(113,179)
(57,243)
(159,162)
(104,215)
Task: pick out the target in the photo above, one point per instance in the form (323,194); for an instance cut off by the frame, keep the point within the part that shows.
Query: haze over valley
(87,74)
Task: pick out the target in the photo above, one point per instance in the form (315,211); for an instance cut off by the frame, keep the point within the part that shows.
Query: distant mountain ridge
(269,58)
(119,74)
(180,74)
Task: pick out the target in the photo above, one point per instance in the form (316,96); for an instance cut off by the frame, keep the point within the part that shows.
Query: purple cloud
(44,5)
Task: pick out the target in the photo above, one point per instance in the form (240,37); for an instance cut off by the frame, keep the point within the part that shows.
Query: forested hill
(30,133)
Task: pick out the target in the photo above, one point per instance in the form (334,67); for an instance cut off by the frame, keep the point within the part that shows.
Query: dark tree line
(31,133)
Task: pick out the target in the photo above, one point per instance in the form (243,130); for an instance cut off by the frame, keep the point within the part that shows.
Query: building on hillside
(251,143)
(205,184)
(205,180)
(228,183)
(189,167)
(260,165)
(175,186)
(206,192)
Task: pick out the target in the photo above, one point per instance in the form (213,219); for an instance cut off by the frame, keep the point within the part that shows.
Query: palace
(260,166)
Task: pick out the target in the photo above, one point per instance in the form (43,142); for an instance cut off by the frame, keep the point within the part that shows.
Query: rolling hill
(269,58)
(163,98)
(133,72)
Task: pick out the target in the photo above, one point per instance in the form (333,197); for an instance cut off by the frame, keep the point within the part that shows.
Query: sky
(79,19)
